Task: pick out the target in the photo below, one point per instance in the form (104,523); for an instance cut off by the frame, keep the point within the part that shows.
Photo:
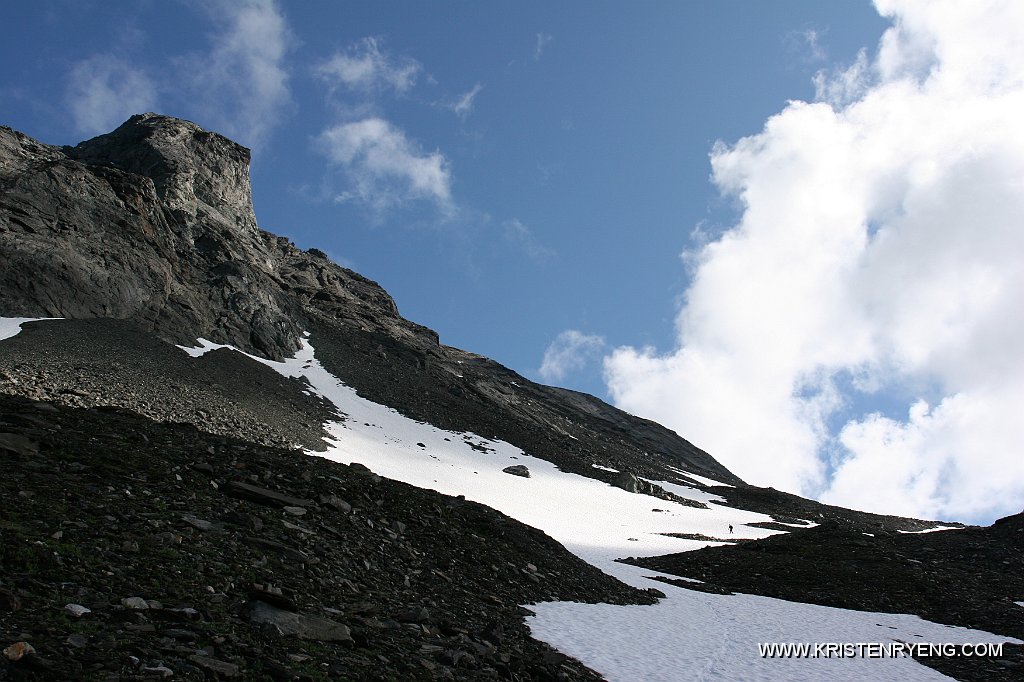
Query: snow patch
(595,521)
(928,530)
(689,492)
(204,346)
(11,326)
(803,524)
(604,468)
(701,479)
(693,635)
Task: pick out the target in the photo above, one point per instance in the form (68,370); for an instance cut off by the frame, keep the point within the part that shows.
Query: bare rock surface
(200,176)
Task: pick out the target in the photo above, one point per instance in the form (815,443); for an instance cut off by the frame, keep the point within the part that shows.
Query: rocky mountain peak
(152,223)
(200,176)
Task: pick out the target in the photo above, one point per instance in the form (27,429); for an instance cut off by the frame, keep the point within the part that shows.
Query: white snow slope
(688,635)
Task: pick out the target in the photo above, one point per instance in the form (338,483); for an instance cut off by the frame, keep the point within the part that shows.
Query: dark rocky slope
(207,557)
(108,362)
(153,223)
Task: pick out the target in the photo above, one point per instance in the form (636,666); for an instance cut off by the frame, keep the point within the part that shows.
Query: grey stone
(254,493)
(518,470)
(335,502)
(627,482)
(140,222)
(299,625)
(222,668)
(280,548)
(77,640)
(201,524)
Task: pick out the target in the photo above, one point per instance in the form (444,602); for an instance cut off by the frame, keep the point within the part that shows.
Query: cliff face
(153,223)
(201,177)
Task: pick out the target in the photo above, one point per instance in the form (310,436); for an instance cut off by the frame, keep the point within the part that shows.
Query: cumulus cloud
(384,167)
(241,84)
(569,352)
(367,67)
(104,90)
(877,257)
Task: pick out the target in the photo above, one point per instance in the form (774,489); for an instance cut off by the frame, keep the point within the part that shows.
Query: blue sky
(592,194)
(591,130)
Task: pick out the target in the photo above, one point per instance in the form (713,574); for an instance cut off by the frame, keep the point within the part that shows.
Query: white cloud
(365,66)
(880,242)
(570,351)
(242,83)
(843,86)
(104,90)
(542,42)
(521,235)
(808,44)
(384,167)
(813,39)
(463,104)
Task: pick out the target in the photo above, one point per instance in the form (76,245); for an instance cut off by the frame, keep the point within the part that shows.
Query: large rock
(303,626)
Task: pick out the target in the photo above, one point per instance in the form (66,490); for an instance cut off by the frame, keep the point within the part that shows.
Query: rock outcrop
(201,177)
(154,223)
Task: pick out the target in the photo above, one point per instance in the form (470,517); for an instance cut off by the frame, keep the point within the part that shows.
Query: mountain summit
(153,223)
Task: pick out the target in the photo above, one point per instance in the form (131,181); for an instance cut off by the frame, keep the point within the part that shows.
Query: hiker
(730,527)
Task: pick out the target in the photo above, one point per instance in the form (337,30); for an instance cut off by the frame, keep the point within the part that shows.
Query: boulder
(301,625)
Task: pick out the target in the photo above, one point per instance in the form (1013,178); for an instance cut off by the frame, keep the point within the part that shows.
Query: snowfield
(688,635)
(10,326)
(928,530)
